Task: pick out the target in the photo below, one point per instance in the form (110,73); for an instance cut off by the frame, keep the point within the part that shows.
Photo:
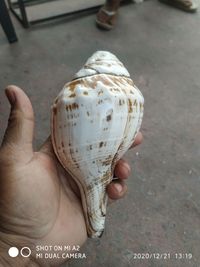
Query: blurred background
(159,45)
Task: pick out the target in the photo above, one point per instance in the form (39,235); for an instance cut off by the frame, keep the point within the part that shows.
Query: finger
(122,169)
(138,140)
(21,121)
(117,189)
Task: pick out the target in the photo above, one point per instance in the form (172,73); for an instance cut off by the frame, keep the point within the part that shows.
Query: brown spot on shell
(72,116)
(121,102)
(106,178)
(92,83)
(107,161)
(55,110)
(72,95)
(135,104)
(130,108)
(89,147)
(100,92)
(72,106)
(109,117)
(116,156)
(100,101)
(100,144)
(108,80)
(90,188)
(72,85)
(130,82)
(115,89)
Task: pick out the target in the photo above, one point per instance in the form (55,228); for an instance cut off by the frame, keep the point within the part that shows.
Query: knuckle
(17,115)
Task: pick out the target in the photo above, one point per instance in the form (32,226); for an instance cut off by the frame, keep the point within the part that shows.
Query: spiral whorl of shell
(95,119)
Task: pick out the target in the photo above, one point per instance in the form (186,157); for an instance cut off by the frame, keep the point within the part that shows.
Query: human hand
(36,208)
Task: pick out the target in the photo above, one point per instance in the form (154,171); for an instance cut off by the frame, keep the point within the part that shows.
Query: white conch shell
(95,119)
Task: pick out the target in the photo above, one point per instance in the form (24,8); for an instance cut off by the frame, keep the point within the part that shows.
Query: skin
(112,6)
(35,206)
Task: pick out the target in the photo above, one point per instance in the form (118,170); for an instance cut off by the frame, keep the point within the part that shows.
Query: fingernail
(11,96)
(126,165)
(118,187)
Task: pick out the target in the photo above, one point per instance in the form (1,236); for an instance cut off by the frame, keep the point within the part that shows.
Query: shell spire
(102,62)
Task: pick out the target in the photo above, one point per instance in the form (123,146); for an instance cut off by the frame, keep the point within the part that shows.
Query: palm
(42,206)
(66,222)
(52,207)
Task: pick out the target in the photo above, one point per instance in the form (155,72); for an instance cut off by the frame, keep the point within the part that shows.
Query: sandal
(186,5)
(106,19)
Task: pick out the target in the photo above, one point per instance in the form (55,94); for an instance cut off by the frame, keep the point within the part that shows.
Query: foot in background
(106,17)
(186,5)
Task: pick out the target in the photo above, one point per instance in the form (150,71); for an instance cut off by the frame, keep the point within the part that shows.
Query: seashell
(94,121)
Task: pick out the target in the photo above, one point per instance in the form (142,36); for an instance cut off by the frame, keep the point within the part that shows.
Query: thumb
(21,121)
